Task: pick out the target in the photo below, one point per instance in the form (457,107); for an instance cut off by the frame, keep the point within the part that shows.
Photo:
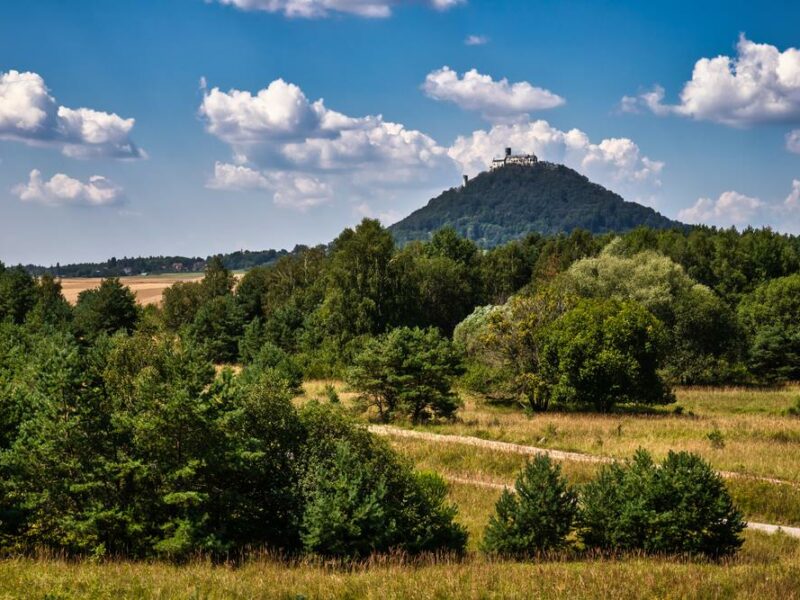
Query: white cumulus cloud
(62,190)
(793,141)
(735,209)
(792,202)
(761,84)
(731,208)
(290,190)
(29,114)
(617,163)
(307,153)
(495,100)
(314,9)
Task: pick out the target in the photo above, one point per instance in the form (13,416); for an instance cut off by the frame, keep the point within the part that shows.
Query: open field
(756,436)
(148,288)
(758,441)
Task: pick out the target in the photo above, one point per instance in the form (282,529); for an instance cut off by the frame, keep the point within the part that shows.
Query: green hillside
(508,203)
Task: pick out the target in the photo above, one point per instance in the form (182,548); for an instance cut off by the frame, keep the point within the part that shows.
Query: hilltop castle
(524,160)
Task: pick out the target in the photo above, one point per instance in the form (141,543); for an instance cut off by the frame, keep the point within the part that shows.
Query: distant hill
(509,202)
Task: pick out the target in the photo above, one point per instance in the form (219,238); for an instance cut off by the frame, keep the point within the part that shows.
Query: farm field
(148,288)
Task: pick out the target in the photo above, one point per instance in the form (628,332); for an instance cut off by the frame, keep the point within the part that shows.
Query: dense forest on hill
(505,204)
(123,434)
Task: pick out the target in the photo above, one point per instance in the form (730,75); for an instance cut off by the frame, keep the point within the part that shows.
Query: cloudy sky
(140,127)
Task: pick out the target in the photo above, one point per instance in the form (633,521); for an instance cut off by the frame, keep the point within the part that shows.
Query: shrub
(538,517)
(362,498)
(680,506)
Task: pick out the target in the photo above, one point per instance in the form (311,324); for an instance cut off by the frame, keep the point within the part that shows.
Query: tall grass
(761,571)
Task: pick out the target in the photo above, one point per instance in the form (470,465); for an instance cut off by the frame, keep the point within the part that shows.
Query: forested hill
(505,204)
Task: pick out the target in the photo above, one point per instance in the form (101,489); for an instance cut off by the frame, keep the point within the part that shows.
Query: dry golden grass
(148,289)
(765,568)
(758,438)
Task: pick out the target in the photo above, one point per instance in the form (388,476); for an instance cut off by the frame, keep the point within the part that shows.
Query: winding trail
(464,440)
(387,430)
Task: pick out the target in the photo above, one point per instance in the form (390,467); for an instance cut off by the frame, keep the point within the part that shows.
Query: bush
(408,372)
(679,507)
(362,498)
(538,517)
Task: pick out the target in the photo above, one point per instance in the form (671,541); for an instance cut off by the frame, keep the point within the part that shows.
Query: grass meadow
(755,436)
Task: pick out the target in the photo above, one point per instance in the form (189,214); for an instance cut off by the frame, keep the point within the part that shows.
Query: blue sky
(230,148)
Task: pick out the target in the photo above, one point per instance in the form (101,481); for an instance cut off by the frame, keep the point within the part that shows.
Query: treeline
(121,267)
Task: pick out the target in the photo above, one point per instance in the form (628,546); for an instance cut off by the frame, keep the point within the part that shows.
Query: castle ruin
(523,160)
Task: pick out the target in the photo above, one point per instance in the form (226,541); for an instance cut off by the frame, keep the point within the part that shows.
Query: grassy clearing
(764,569)
(759,501)
(750,432)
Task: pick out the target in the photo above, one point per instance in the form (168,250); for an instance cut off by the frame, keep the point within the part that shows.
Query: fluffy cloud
(300,192)
(496,100)
(63,190)
(615,162)
(476,40)
(760,84)
(304,152)
(29,114)
(312,9)
(731,208)
(792,202)
(793,141)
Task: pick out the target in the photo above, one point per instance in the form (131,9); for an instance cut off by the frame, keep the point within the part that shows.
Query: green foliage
(130,446)
(771,317)
(361,498)
(50,308)
(105,310)
(358,297)
(217,280)
(408,372)
(509,346)
(218,326)
(180,303)
(17,294)
(700,328)
(505,204)
(680,506)
(271,358)
(538,517)
(604,352)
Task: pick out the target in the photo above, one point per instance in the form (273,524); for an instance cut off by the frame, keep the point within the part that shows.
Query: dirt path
(388,430)
(765,527)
